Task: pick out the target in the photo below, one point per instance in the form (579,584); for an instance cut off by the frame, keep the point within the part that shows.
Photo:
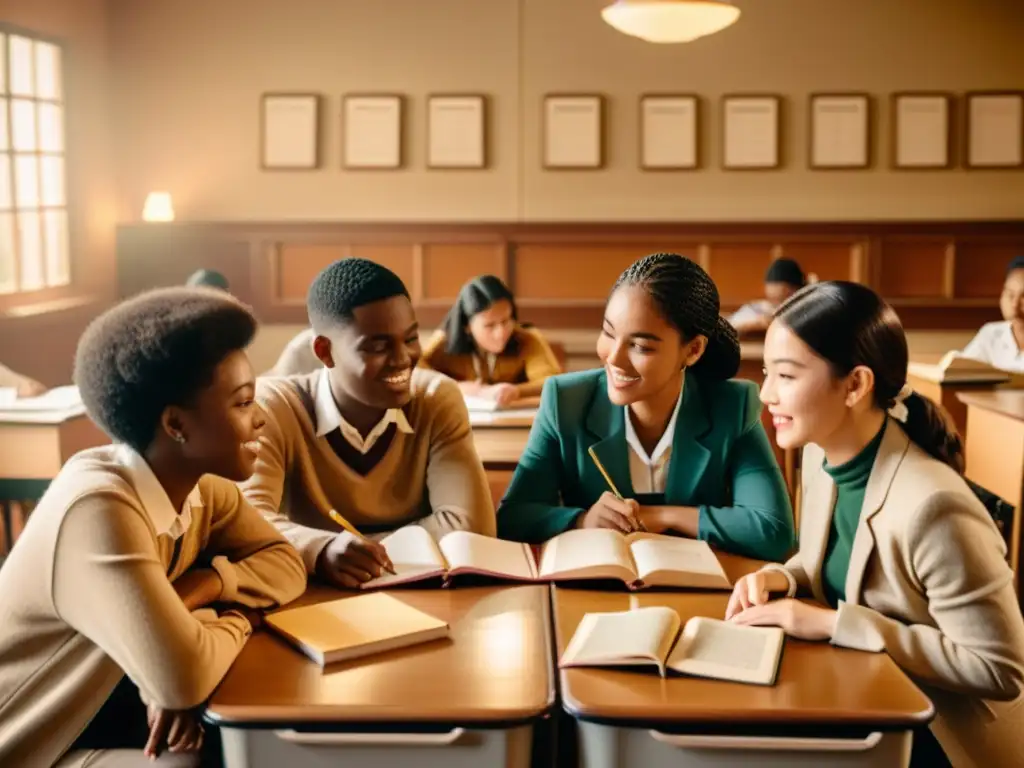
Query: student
(207,278)
(368,443)
(101,595)
(783,278)
(1001,345)
(482,346)
(23,385)
(683,445)
(298,357)
(896,551)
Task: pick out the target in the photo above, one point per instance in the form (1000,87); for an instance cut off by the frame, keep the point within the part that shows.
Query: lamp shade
(670,21)
(158,207)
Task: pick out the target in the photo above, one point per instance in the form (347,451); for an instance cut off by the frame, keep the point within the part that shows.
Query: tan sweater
(86,596)
(432,477)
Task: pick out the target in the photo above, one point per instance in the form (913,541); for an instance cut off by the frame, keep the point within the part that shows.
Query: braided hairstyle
(346,284)
(688,300)
(849,325)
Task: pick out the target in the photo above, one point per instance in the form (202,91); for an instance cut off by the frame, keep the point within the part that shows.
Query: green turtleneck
(851,480)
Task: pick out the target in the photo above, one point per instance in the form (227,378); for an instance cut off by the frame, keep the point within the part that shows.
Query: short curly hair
(347,284)
(156,349)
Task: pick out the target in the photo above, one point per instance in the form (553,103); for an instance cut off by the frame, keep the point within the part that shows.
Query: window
(34,249)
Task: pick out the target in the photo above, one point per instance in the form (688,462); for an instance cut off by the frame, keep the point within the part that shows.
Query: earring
(178,438)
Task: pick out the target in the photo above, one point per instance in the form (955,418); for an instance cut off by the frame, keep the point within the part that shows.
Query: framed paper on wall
(290,131)
(456,131)
(669,130)
(751,131)
(922,130)
(840,131)
(372,131)
(994,131)
(573,128)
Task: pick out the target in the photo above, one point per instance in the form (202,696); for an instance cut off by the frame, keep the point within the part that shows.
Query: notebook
(350,628)
(954,367)
(652,636)
(638,560)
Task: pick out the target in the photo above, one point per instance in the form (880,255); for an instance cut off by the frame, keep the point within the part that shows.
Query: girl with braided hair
(682,443)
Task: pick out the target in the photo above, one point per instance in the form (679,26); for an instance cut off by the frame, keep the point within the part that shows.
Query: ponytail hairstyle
(688,300)
(477,295)
(848,324)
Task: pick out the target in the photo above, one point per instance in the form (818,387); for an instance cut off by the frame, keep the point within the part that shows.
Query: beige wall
(190,73)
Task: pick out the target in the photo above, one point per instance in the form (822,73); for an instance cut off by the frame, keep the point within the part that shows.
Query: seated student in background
(783,278)
(23,385)
(101,595)
(900,556)
(482,346)
(1001,344)
(682,444)
(207,278)
(370,442)
(298,358)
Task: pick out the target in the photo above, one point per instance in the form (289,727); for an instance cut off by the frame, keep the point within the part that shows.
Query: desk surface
(500,448)
(1008,402)
(818,684)
(495,669)
(35,446)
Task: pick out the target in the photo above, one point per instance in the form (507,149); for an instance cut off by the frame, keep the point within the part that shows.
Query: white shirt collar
(664,444)
(154,498)
(329,418)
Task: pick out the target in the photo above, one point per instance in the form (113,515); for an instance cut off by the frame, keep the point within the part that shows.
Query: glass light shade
(670,21)
(158,207)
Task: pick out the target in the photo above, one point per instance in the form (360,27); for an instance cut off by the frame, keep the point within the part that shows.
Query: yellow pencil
(351,529)
(601,469)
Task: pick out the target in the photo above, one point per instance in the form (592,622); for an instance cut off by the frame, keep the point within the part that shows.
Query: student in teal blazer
(682,443)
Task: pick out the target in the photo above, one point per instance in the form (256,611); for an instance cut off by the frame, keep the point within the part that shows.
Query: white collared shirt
(329,418)
(154,498)
(649,474)
(995,344)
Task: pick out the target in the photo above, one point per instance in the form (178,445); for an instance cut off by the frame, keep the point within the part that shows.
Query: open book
(57,399)
(651,637)
(527,405)
(352,627)
(953,367)
(638,560)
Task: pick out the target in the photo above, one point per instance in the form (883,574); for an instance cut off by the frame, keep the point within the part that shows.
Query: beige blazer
(928,584)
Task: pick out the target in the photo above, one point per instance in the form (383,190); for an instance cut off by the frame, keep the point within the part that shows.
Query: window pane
(47,71)
(51,133)
(23,116)
(3,63)
(30,247)
(55,227)
(8,283)
(52,169)
(21,65)
(26,181)
(6,200)
(4,137)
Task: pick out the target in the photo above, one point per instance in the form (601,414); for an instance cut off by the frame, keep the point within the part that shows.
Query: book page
(415,555)
(718,649)
(672,561)
(638,636)
(472,553)
(587,553)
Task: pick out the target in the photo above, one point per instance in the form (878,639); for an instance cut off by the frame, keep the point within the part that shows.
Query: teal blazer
(721,462)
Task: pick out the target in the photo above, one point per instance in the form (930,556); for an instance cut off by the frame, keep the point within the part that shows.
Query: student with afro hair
(136,581)
(368,443)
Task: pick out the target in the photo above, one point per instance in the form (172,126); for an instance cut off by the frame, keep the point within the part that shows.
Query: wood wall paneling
(738,269)
(828,260)
(912,269)
(981,266)
(295,266)
(572,272)
(446,267)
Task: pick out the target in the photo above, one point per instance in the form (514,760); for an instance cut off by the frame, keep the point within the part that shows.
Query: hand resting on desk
(751,605)
(350,560)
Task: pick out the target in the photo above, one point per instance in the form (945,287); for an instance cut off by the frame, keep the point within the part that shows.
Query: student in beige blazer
(136,581)
(897,553)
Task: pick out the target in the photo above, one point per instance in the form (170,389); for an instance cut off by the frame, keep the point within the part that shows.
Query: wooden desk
(994,454)
(499,449)
(948,396)
(465,702)
(827,700)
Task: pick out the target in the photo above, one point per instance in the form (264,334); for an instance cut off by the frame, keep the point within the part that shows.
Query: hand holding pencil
(351,559)
(611,510)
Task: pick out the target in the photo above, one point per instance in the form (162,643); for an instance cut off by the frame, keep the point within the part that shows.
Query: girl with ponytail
(680,442)
(896,551)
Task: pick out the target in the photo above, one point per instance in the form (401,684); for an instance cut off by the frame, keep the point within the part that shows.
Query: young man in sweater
(368,443)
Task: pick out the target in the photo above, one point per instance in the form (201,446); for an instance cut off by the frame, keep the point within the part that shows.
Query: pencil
(351,529)
(602,470)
